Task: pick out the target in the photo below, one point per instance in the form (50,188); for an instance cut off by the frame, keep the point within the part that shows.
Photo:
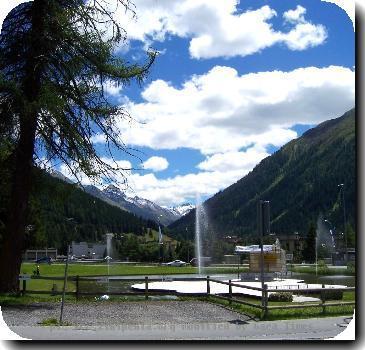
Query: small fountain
(109,237)
(198,209)
(201,230)
(325,243)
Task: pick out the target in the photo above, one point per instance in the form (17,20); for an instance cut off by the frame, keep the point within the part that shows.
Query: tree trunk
(16,220)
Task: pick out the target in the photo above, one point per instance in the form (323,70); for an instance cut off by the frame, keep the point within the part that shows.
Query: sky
(233,82)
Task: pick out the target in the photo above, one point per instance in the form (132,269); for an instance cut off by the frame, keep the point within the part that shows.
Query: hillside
(136,205)
(300,180)
(62,212)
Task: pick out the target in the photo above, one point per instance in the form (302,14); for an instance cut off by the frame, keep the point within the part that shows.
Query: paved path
(310,329)
(314,329)
(161,320)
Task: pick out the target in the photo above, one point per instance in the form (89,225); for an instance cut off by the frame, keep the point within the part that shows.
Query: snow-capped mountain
(136,205)
(182,209)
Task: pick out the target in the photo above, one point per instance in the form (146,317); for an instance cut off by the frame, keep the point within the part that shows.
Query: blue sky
(234,81)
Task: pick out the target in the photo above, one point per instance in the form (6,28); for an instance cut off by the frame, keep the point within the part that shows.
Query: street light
(341,186)
(263,226)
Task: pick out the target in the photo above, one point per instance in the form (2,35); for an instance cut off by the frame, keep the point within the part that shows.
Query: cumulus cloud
(295,16)
(233,160)
(180,189)
(222,111)
(217,28)
(123,169)
(113,89)
(229,118)
(156,163)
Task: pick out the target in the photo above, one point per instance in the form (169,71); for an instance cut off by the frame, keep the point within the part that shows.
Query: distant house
(35,254)
(88,250)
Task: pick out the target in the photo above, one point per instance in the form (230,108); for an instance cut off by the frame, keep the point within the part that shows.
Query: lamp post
(263,228)
(341,186)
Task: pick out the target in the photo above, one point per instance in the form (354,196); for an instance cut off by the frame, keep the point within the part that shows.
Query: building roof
(254,248)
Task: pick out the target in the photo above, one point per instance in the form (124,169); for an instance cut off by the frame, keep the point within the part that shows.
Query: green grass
(287,314)
(77,269)
(49,322)
(58,269)
(312,270)
(12,299)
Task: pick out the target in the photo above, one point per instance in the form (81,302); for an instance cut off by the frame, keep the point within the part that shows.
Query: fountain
(109,237)
(198,250)
(325,243)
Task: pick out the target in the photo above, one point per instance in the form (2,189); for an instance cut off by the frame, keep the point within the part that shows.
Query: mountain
(61,212)
(300,180)
(136,205)
(182,209)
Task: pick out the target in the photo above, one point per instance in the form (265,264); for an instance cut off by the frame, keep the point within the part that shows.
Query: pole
(263,228)
(260,229)
(230,291)
(344,219)
(64,285)
(146,288)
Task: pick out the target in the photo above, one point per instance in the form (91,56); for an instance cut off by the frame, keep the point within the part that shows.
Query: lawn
(320,271)
(77,269)
(285,314)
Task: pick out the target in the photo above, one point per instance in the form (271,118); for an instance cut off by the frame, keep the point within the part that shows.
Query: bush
(331,295)
(351,267)
(281,296)
(323,269)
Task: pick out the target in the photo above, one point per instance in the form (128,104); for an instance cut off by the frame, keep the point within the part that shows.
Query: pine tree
(55,58)
(309,251)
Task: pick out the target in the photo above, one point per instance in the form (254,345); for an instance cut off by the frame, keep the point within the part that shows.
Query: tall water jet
(325,243)
(109,237)
(198,250)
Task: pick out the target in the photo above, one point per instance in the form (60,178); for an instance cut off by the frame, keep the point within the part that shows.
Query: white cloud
(216,28)
(156,163)
(295,16)
(113,89)
(122,170)
(180,189)
(221,111)
(233,160)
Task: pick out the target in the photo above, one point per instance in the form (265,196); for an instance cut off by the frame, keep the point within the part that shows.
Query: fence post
(323,298)
(24,286)
(230,292)
(146,288)
(208,286)
(77,287)
(264,301)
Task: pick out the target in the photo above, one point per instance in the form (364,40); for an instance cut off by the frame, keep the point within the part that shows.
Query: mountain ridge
(291,178)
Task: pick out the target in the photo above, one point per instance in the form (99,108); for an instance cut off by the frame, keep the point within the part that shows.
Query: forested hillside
(62,212)
(300,180)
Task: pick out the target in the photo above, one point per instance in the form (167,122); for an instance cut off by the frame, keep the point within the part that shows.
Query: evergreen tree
(309,251)
(55,59)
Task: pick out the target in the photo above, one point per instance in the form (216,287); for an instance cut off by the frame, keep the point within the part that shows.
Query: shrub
(281,296)
(351,267)
(323,269)
(49,322)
